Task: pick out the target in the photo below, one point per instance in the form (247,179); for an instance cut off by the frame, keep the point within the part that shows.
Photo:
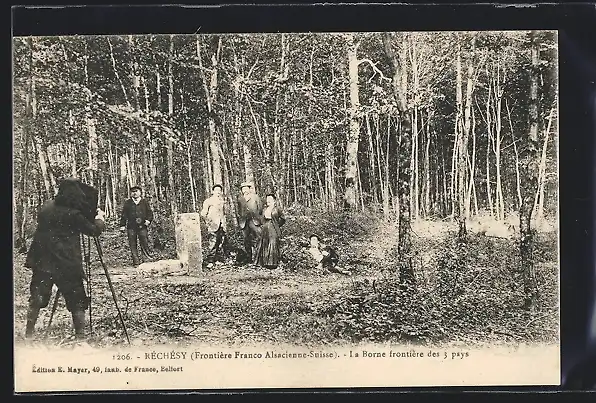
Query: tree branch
(375,69)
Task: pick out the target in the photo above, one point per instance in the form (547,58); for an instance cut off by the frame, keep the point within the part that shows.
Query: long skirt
(268,254)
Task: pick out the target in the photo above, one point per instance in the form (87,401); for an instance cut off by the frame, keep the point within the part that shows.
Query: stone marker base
(169,267)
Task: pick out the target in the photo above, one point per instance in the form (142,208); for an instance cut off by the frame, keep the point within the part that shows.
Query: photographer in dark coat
(135,219)
(55,252)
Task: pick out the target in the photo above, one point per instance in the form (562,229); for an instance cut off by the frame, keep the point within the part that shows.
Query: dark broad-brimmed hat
(217,185)
(132,189)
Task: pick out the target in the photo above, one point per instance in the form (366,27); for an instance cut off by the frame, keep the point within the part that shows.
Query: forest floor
(470,294)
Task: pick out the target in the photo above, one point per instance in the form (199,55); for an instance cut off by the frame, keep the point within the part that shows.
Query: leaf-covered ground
(470,294)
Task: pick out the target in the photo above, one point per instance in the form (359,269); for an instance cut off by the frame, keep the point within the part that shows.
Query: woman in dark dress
(269,246)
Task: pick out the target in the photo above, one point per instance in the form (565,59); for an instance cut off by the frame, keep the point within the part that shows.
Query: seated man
(325,256)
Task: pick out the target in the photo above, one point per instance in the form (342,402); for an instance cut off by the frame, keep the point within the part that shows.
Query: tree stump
(188,242)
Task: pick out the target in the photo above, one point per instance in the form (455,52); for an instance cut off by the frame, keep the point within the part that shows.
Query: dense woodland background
(425,125)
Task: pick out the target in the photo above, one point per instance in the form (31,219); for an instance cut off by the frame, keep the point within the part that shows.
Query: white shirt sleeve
(316,254)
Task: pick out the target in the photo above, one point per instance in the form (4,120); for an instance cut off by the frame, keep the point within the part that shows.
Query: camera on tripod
(88,199)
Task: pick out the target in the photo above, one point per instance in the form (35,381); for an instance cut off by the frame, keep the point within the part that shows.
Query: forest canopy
(299,114)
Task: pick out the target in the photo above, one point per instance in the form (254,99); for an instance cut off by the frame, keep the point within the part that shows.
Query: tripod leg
(54,306)
(88,259)
(32,315)
(100,255)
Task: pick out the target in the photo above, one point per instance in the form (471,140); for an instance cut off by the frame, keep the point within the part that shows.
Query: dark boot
(78,319)
(32,315)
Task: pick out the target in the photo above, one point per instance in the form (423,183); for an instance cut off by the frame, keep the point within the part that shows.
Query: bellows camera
(91,201)
(83,197)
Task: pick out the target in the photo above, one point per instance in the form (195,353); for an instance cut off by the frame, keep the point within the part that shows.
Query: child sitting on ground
(325,256)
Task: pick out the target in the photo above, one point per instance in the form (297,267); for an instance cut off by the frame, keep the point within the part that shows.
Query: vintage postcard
(285,210)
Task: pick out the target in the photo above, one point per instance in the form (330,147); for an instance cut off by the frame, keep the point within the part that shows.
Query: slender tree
(530,159)
(406,264)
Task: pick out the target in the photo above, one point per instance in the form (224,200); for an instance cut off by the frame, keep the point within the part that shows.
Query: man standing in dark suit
(250,209)
(135,219)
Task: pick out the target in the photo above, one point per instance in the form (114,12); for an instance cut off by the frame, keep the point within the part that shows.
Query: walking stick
(100,255)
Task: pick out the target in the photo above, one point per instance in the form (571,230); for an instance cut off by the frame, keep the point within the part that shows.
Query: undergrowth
(470,291)
(477,293)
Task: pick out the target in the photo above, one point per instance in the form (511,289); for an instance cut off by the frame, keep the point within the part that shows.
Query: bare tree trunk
(259,136)
(460,144)
(473,169)
(517,178)
(211,99)
(415,132)
(445,192)
(248,171)
(238,119)
(37,143)
(135,80)
(22,193)
(153,143)
(467,126)
(329,178)
(116,72)
(498,125)
(383,182)
(351,185)
(237,128)
(147,142)
(45,174)
(129,171)
(530,167)
(427,180)
(123,182)
(113,176)
(92,150)
(360,196)
(488,148)
(386,187)
(414,165)
(169,143)
(207,165)
(280,99)
(294,163)
(371,160)
(406,264)
(188,141)
(72,153)
(539,199)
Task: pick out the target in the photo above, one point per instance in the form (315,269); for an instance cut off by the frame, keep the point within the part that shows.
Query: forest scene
(428,160)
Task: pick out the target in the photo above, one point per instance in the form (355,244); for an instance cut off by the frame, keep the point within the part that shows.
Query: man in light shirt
(213,213)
